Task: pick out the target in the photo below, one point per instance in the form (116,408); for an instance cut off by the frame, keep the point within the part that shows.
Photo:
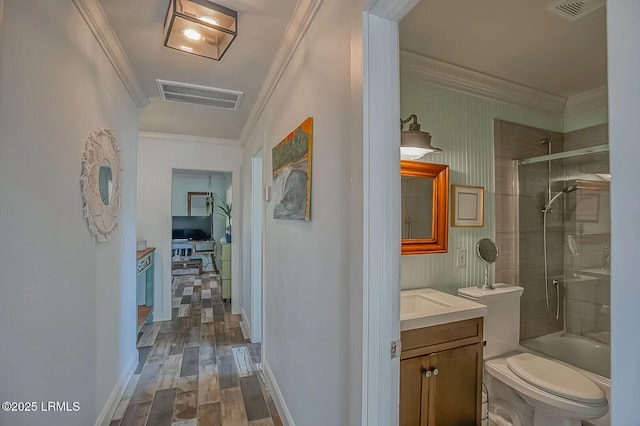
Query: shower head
(567,189)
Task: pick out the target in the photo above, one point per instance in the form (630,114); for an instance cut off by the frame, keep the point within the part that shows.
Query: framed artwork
(467,206)
(291,163)
(587,207)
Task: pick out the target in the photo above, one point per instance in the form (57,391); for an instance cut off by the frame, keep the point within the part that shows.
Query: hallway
(197,369)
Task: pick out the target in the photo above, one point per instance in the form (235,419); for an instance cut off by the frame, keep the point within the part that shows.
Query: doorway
(257,210)
(198,221)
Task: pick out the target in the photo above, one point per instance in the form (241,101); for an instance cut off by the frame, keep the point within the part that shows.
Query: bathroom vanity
(441,359)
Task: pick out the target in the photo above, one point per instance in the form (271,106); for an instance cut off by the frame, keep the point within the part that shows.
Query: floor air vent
(199,95)
(575,9)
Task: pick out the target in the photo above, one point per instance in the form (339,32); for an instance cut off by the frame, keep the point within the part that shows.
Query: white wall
(306,264)
(67,310)
(623,38)
(158,156)
(462,125)
(181,185)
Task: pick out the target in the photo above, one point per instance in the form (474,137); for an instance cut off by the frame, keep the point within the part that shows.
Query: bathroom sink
(426,307)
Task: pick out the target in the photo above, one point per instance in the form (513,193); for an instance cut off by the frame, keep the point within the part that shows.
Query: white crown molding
(465,80)
(586,101)
(303,15)
(97,21)
(187,138)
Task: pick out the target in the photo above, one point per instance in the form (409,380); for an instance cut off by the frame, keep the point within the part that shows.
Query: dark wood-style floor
(197,369)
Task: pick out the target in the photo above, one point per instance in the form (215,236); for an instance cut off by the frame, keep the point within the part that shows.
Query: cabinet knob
(431,372)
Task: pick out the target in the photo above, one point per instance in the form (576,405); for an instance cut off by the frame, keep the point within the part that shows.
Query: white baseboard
(114,399)
(278,399)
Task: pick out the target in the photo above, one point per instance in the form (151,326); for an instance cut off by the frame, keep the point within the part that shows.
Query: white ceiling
(519,41)
(139,25)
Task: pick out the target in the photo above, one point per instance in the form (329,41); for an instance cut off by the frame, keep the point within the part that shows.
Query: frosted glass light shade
(200,27)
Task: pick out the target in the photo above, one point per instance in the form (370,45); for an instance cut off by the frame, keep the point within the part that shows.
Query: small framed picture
(467,206)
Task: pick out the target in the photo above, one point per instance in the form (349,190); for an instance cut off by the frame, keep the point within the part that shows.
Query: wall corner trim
(453,77)
(97,21)
(302,17)
(586,101)
(274,389)
(114,399)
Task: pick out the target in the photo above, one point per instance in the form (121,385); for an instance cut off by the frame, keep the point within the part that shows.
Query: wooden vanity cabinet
(441,375)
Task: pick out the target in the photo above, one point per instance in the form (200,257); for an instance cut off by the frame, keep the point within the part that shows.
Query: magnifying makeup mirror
(487,252)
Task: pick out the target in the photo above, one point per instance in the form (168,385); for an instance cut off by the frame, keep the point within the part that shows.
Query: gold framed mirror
(425,207)
(198,203)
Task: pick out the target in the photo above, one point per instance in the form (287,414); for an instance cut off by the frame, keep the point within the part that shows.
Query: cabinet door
(455,393)
(411,391)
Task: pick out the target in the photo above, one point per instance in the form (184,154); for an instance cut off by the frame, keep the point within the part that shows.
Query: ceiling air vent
(575,9)
(199,95)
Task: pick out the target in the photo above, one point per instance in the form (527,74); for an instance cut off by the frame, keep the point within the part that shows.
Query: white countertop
(426,307)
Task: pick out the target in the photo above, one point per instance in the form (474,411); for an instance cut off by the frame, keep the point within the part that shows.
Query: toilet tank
(502,322)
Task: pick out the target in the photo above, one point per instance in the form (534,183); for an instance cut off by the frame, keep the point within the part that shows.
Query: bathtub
(590,357)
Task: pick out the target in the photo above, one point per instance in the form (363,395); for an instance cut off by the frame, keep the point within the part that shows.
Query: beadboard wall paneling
(584,119)
(462,125)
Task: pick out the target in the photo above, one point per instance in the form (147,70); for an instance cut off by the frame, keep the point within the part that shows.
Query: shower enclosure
(561,240)
(574,225)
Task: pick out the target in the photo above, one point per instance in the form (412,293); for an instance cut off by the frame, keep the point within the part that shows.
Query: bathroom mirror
(100,183)
(487,252)
(425,207)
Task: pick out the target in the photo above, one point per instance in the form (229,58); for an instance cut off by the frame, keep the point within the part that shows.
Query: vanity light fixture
(414,143)
(200,27)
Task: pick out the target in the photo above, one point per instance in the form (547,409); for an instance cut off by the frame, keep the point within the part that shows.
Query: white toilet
(525,389)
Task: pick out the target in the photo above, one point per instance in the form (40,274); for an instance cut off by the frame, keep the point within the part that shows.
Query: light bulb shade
(413,142)
(200,27)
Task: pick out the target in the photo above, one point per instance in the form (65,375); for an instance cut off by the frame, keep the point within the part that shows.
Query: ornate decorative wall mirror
(425,207)
(101,180)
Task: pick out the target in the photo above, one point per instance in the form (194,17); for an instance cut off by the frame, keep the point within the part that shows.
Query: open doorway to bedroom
(200,223)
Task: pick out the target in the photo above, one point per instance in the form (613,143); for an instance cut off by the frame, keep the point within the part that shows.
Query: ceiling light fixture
(192,34)
(200,27)
(209,20)
(414,143)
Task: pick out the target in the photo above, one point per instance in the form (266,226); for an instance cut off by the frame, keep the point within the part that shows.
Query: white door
(257,208)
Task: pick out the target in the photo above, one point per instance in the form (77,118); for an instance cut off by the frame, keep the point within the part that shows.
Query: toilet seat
(555,378)
(541,399)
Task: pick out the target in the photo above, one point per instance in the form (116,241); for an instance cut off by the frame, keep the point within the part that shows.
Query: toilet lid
(555,378)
